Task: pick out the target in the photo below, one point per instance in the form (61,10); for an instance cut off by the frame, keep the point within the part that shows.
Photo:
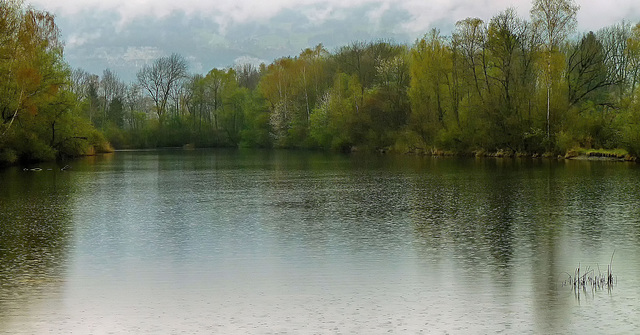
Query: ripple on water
(223,243)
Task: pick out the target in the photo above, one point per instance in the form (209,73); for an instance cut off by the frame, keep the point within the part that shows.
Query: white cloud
(144,54)
(104,33)
(593,15)
(376,14)
(195,65)
(249,60)
(222,11)
(136,57)
(432,14)
(319,15)
(79,39)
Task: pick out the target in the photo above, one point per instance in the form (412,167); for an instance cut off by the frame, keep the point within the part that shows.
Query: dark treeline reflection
(482,201)
(490,207)
(35,234)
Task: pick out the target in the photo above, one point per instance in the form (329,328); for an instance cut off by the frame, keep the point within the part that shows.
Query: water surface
(289,242)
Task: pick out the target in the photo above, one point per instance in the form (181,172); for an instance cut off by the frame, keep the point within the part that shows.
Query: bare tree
(111,88)
(80,83)
(470,36)
(160,79)
(247,75)
(617,43)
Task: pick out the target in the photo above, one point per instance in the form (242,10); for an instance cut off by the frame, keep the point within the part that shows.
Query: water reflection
(246,241)
(35,233)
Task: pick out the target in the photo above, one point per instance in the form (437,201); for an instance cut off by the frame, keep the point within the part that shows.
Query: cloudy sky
(123,35)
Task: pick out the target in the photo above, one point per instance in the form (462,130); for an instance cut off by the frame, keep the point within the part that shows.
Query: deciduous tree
(160,78)
(556,20)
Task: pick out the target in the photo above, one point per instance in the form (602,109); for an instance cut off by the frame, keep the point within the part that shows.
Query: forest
(510,86)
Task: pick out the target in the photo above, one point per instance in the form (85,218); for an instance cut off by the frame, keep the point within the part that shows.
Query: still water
(255,242)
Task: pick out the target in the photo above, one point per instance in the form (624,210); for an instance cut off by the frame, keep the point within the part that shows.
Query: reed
(583,279)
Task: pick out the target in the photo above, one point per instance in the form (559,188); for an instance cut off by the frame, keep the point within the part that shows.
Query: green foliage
(256,132)
(33,148)
(98,143)
(39,117)
(630,130)
(430,68)
(117,137)
(565,142)
(8,156)
(507,85)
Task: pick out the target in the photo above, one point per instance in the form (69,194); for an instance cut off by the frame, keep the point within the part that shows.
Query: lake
(273,242)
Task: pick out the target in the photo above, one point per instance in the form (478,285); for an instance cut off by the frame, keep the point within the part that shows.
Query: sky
(124,35)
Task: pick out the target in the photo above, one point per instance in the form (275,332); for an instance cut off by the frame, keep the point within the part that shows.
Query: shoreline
(571,155)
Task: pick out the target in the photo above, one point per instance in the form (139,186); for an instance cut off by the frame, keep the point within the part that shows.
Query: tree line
(512,85)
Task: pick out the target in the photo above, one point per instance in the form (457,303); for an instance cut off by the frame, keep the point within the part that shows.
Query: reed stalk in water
(588,279)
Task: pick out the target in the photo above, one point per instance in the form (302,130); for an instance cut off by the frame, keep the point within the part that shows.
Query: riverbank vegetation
(39,115)
(509,86)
